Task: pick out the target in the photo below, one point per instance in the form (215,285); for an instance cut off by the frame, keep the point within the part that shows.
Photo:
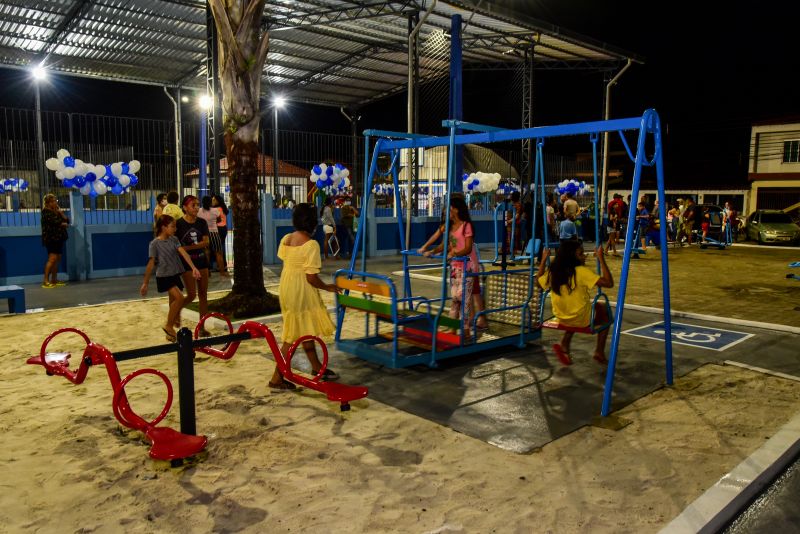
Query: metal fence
(24,146)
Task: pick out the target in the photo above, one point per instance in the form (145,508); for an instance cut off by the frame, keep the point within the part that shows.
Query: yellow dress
(302,308)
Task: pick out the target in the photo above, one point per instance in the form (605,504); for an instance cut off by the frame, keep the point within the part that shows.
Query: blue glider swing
(401,330)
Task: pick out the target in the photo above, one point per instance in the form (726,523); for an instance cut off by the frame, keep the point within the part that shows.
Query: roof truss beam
(359,10)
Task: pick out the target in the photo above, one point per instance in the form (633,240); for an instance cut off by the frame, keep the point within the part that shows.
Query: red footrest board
(169,444)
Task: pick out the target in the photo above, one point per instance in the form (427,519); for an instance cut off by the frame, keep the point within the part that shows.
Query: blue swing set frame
(428,313)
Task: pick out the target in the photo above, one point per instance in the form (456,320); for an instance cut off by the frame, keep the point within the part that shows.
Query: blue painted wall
(119,250)
(24,255)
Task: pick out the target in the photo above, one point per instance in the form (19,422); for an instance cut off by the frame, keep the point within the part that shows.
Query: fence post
(268,231)
(78,244)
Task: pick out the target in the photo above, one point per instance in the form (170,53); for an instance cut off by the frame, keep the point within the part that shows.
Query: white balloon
(100,170)
(86,188)
(52,164)
(345,173)
(134,166)
(68,172)
(323,167)
(61,154)
(99,187)
(124,180)
(60,175)
(346,182)
(116,169)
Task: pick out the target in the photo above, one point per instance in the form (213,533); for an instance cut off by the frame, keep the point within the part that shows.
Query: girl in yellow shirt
(571,282)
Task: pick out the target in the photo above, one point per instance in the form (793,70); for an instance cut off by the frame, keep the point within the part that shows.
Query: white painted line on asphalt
(762,370)
(714,318)
(722,502)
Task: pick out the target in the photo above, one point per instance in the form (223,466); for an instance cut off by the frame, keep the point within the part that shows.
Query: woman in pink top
(211,216)
(461,243)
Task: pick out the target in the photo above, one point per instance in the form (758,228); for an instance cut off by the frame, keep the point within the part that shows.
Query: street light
(205,102)
(39,75)
(184,99)
(39,72)
(277,103)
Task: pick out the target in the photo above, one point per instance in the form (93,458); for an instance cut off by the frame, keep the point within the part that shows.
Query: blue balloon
(108,171)
(79,181)
(134,180)
(111,181)
(339,166)
(92,193)
(90,177)
(329,181)
(316,169)
(329,171)
(117,189)
(69,161)
(471,186)
(67,182)
(465,177)
(23,185)
(125,168)
(320,184)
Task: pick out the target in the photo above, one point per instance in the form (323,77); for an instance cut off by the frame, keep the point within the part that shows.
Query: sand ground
(294,463)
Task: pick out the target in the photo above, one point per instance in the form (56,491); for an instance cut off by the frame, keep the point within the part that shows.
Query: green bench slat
(385,309)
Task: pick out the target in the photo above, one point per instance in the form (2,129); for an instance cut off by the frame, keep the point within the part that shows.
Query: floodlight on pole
(184,99)
(279,101)
(206,102)
(39,72)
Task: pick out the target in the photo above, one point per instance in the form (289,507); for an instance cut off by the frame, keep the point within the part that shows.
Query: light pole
(39,75)
(277,103)
(205,103)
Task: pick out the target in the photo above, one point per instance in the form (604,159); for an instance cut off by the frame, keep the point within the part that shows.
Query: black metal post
(186,381)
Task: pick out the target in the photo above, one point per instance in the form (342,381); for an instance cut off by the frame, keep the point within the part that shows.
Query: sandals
(283,385)
(562,355)
(327,375)
(170,337)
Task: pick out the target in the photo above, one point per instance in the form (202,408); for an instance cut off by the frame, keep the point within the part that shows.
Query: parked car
(772,226)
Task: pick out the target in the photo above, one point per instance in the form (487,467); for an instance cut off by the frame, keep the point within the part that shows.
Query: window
(791,151)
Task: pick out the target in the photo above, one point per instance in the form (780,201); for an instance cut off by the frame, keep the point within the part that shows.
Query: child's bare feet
(562,354)
(600,358)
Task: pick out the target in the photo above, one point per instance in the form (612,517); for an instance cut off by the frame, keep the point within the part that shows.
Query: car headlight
(770,232)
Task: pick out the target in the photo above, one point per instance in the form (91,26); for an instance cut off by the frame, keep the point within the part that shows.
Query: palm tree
(242,54)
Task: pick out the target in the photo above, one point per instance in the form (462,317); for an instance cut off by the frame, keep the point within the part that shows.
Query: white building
(774,166)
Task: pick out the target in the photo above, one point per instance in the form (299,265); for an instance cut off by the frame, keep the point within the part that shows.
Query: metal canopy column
(456,101)
(526,170)
(214,112)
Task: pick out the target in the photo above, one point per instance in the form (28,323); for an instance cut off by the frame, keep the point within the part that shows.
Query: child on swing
(571,282)
(461,243)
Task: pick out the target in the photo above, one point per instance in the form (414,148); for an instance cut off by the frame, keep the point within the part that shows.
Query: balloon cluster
(13,185)
(571,186)
(333,179)
(91,179)
(481,182)
(508,188)
(383,189)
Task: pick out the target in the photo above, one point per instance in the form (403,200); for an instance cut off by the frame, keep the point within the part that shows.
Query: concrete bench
(15,296)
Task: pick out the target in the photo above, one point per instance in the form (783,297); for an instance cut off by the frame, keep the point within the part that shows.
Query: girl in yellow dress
(302,308)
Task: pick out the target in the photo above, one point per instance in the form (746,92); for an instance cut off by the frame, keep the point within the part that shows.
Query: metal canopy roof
(342,53)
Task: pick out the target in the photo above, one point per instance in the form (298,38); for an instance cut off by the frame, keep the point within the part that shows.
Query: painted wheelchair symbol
(692,337)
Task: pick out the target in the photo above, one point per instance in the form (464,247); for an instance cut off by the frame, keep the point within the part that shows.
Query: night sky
(709,75)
